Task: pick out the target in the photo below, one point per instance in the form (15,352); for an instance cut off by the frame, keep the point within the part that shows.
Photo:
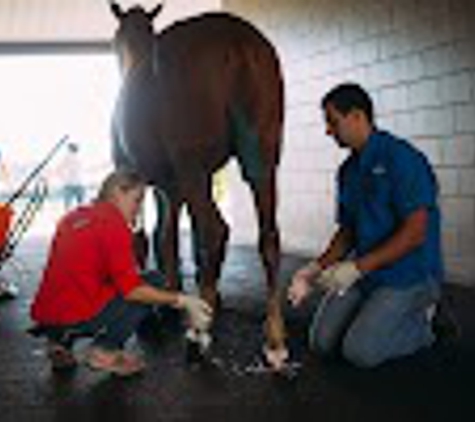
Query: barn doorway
(45,97)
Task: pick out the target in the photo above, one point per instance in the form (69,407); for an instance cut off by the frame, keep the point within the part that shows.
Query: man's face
(342,127)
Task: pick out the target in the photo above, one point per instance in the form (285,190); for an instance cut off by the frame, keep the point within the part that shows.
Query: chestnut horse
(196,94)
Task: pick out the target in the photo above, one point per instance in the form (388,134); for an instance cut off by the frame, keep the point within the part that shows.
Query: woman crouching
(92,285)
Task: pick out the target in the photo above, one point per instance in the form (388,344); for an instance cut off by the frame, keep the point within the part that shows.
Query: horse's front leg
(165,238)
(210,234)
(269,247)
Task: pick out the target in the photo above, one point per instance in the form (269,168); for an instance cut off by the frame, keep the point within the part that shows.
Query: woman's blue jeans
(114,325)
(368,328)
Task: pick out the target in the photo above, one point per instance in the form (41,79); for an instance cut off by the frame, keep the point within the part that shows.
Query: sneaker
(115,362)
(445,326)
(61,358)
(197,347)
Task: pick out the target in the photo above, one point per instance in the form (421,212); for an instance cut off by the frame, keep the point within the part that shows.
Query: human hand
(301,284)
(198,311)
(340,276)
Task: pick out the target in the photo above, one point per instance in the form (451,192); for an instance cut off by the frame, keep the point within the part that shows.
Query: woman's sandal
(115,362)
(61,358)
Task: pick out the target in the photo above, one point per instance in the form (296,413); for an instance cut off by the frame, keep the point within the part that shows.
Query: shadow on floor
(434,385)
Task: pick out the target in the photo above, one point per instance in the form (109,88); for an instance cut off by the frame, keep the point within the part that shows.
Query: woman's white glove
(340,277)
(301,284)
(198,311)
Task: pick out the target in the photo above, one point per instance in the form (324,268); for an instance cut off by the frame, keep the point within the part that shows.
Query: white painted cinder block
(402,124)
(463,53)
(465,118)
(438,60)
(433,122)
(458,212)
(448,181)
(415,69)
(456,88)
(431,147)
(467,181)
(424,93)
(459,150)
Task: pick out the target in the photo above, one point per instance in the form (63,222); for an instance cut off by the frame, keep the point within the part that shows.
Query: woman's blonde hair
(122,179)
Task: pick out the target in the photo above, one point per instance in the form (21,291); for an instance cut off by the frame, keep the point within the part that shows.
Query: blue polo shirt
(378,188)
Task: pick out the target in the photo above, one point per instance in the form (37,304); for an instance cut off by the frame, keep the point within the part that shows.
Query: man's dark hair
(350,96)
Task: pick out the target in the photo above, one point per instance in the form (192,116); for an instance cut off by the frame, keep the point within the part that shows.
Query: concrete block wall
(417,59)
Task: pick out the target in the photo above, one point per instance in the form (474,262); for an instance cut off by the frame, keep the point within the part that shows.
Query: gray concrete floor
(435,385)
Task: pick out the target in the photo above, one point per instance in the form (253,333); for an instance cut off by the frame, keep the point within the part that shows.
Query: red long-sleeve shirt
(90,262)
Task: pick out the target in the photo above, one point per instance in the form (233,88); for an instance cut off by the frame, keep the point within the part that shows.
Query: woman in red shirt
(91,285)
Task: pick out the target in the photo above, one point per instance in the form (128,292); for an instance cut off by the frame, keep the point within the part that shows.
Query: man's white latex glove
(302,282)
(198,311)
(339,277)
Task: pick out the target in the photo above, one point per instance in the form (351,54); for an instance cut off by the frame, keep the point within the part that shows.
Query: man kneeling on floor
(383,267)
(91,285)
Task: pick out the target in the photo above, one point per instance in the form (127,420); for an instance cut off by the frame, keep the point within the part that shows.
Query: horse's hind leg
(258,155)
(210,235)
(264,194)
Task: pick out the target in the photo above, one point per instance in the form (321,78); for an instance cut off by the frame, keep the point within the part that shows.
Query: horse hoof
(276,358)
(197,347)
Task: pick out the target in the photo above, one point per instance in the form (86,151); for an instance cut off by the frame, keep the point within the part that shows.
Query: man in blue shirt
(383,267)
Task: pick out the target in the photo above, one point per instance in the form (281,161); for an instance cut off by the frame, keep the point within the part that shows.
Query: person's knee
(363,353)
(321,343)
